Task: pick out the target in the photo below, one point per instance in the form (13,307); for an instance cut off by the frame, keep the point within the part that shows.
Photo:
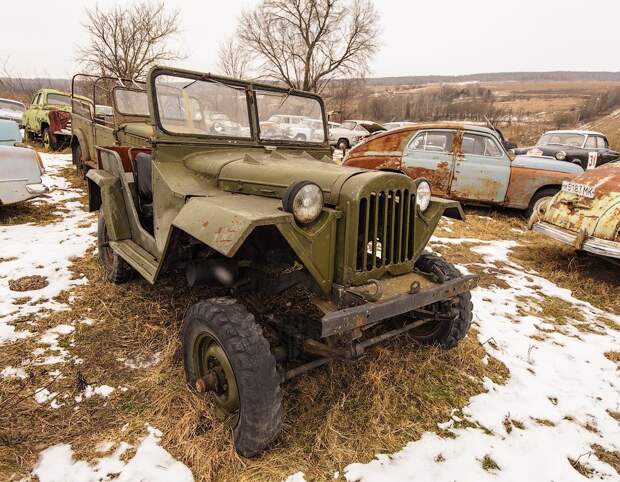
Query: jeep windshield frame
(249,122)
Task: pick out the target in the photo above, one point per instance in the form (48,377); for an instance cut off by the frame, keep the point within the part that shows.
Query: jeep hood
(265,173)
(596,215)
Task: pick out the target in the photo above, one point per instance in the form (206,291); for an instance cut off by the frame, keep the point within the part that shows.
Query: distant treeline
(498,77)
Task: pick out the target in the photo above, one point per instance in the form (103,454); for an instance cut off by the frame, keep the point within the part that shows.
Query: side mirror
(512,154)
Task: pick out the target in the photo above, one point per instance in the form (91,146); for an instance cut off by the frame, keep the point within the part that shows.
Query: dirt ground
(126,336)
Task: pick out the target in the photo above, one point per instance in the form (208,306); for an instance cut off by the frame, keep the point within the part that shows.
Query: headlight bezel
(560,155)
(424,201)
(290,201)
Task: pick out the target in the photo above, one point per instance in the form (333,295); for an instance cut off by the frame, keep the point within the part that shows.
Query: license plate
(579,189)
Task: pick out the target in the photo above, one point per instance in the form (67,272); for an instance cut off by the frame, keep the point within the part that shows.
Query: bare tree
(306,43)
(125,41)
(233,59)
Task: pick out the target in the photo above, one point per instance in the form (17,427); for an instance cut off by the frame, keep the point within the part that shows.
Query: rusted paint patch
(439,178)
(524,182)
(58,120)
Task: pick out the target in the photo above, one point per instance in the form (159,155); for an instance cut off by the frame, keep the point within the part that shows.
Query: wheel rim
(216,373)
(539,203)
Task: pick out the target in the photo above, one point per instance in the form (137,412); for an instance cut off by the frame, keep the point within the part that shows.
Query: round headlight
(560,155)
(304,200)
(423,195)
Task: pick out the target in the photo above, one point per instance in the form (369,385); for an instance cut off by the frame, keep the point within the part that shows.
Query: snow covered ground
(46,251)
(555,407)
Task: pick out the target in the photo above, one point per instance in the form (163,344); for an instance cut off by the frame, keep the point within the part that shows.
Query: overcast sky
(38,38)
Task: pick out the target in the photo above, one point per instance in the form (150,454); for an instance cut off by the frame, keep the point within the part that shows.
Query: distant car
(49,118)
(12,110)
(219,123)
(465,162)
(9,133)
(294,126)
(20,168)
(397,125)
(586,148)
(585,213)
(350,132)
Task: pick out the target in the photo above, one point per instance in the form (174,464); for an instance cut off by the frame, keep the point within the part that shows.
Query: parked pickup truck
(49,118)
(466,162)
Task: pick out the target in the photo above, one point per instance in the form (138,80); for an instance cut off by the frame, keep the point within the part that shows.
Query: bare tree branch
(306,43)
(125,41)
(233,59)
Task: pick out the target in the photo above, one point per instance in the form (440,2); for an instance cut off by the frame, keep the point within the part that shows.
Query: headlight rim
(290,195)
(560,155)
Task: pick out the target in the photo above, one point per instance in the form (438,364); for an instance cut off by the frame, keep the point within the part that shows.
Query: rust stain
(524,182)
(439,178)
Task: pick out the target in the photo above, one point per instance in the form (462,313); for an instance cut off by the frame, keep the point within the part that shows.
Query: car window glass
(35,101)
(591,142)
(359,128)
(58,99)
(348,125)
(433,141)
(478,145)
(601,143)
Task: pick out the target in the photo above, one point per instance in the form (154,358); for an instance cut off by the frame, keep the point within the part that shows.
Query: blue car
(9,133)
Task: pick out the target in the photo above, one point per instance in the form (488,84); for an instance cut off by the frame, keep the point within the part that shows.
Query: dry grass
(333,416)
(489,464)
(28,283)
(607,456)
(582,468)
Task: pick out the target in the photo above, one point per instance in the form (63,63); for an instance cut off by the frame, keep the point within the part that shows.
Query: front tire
(222,343)
(453,316)
(117,269)
(343,145)
(539,198)
(76,155)
(49,139)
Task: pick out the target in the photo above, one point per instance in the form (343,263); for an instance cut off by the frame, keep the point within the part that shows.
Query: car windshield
(58,99)
(562,138)
(281,117)
(131,102)
(348,125)
(203,107)
(372,127)
(14,106)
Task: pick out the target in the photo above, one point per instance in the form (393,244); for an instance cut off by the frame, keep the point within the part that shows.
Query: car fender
(608,224)
(529,174)
(224,222)
(83,141)
(105,192)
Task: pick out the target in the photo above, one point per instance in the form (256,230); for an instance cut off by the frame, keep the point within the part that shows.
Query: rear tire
(49,139)
(117,269)
(343,144)
(456,313)
(539,197)
(76,157)
(224,325)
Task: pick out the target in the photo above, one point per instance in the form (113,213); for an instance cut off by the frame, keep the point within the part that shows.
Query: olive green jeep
(240,203)
(107,111)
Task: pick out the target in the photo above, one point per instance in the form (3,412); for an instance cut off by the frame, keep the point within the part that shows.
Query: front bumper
(601,247)
(359,317)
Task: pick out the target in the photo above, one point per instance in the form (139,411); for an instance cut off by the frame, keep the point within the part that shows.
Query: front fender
(224,222)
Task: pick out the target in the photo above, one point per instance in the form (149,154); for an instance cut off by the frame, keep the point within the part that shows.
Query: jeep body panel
(455,169)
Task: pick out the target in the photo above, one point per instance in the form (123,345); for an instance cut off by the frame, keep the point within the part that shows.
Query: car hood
(340,131)
(575,212)
(265,173)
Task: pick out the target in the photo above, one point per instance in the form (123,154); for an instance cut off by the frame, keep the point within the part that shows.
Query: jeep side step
(139,259)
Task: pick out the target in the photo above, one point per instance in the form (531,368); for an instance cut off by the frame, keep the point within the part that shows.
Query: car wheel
(343,144)
(225,354)
(539,198)
(300,137)
(117,269)
(452,317)
(76,157)
(50,141)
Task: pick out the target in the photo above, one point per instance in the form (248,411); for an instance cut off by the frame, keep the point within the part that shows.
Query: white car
(351,132)
(397,125)
(12,110)
(295,126)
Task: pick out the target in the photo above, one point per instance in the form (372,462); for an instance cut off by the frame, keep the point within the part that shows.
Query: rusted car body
(466,162)
(585,213)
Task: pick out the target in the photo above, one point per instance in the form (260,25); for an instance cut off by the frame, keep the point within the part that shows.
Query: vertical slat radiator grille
(385,229)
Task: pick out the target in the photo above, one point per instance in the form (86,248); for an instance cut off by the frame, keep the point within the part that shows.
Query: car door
(482,171)
(30,114)
(430,154)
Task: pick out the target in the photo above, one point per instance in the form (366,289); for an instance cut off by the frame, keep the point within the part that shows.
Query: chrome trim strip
(602,247)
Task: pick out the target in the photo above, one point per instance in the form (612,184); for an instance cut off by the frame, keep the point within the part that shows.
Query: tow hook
(365,295)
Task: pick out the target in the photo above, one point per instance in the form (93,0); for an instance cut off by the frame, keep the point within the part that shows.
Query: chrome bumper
(602,247)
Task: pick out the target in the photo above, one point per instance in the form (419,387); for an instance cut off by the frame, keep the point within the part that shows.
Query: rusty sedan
(466,162)
(585,213)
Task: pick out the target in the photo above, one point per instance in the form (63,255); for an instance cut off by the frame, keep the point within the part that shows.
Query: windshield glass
(348,125)
(203,107)
(58,99)
(288,117)
(562,138)
(131,102)
(14,106)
